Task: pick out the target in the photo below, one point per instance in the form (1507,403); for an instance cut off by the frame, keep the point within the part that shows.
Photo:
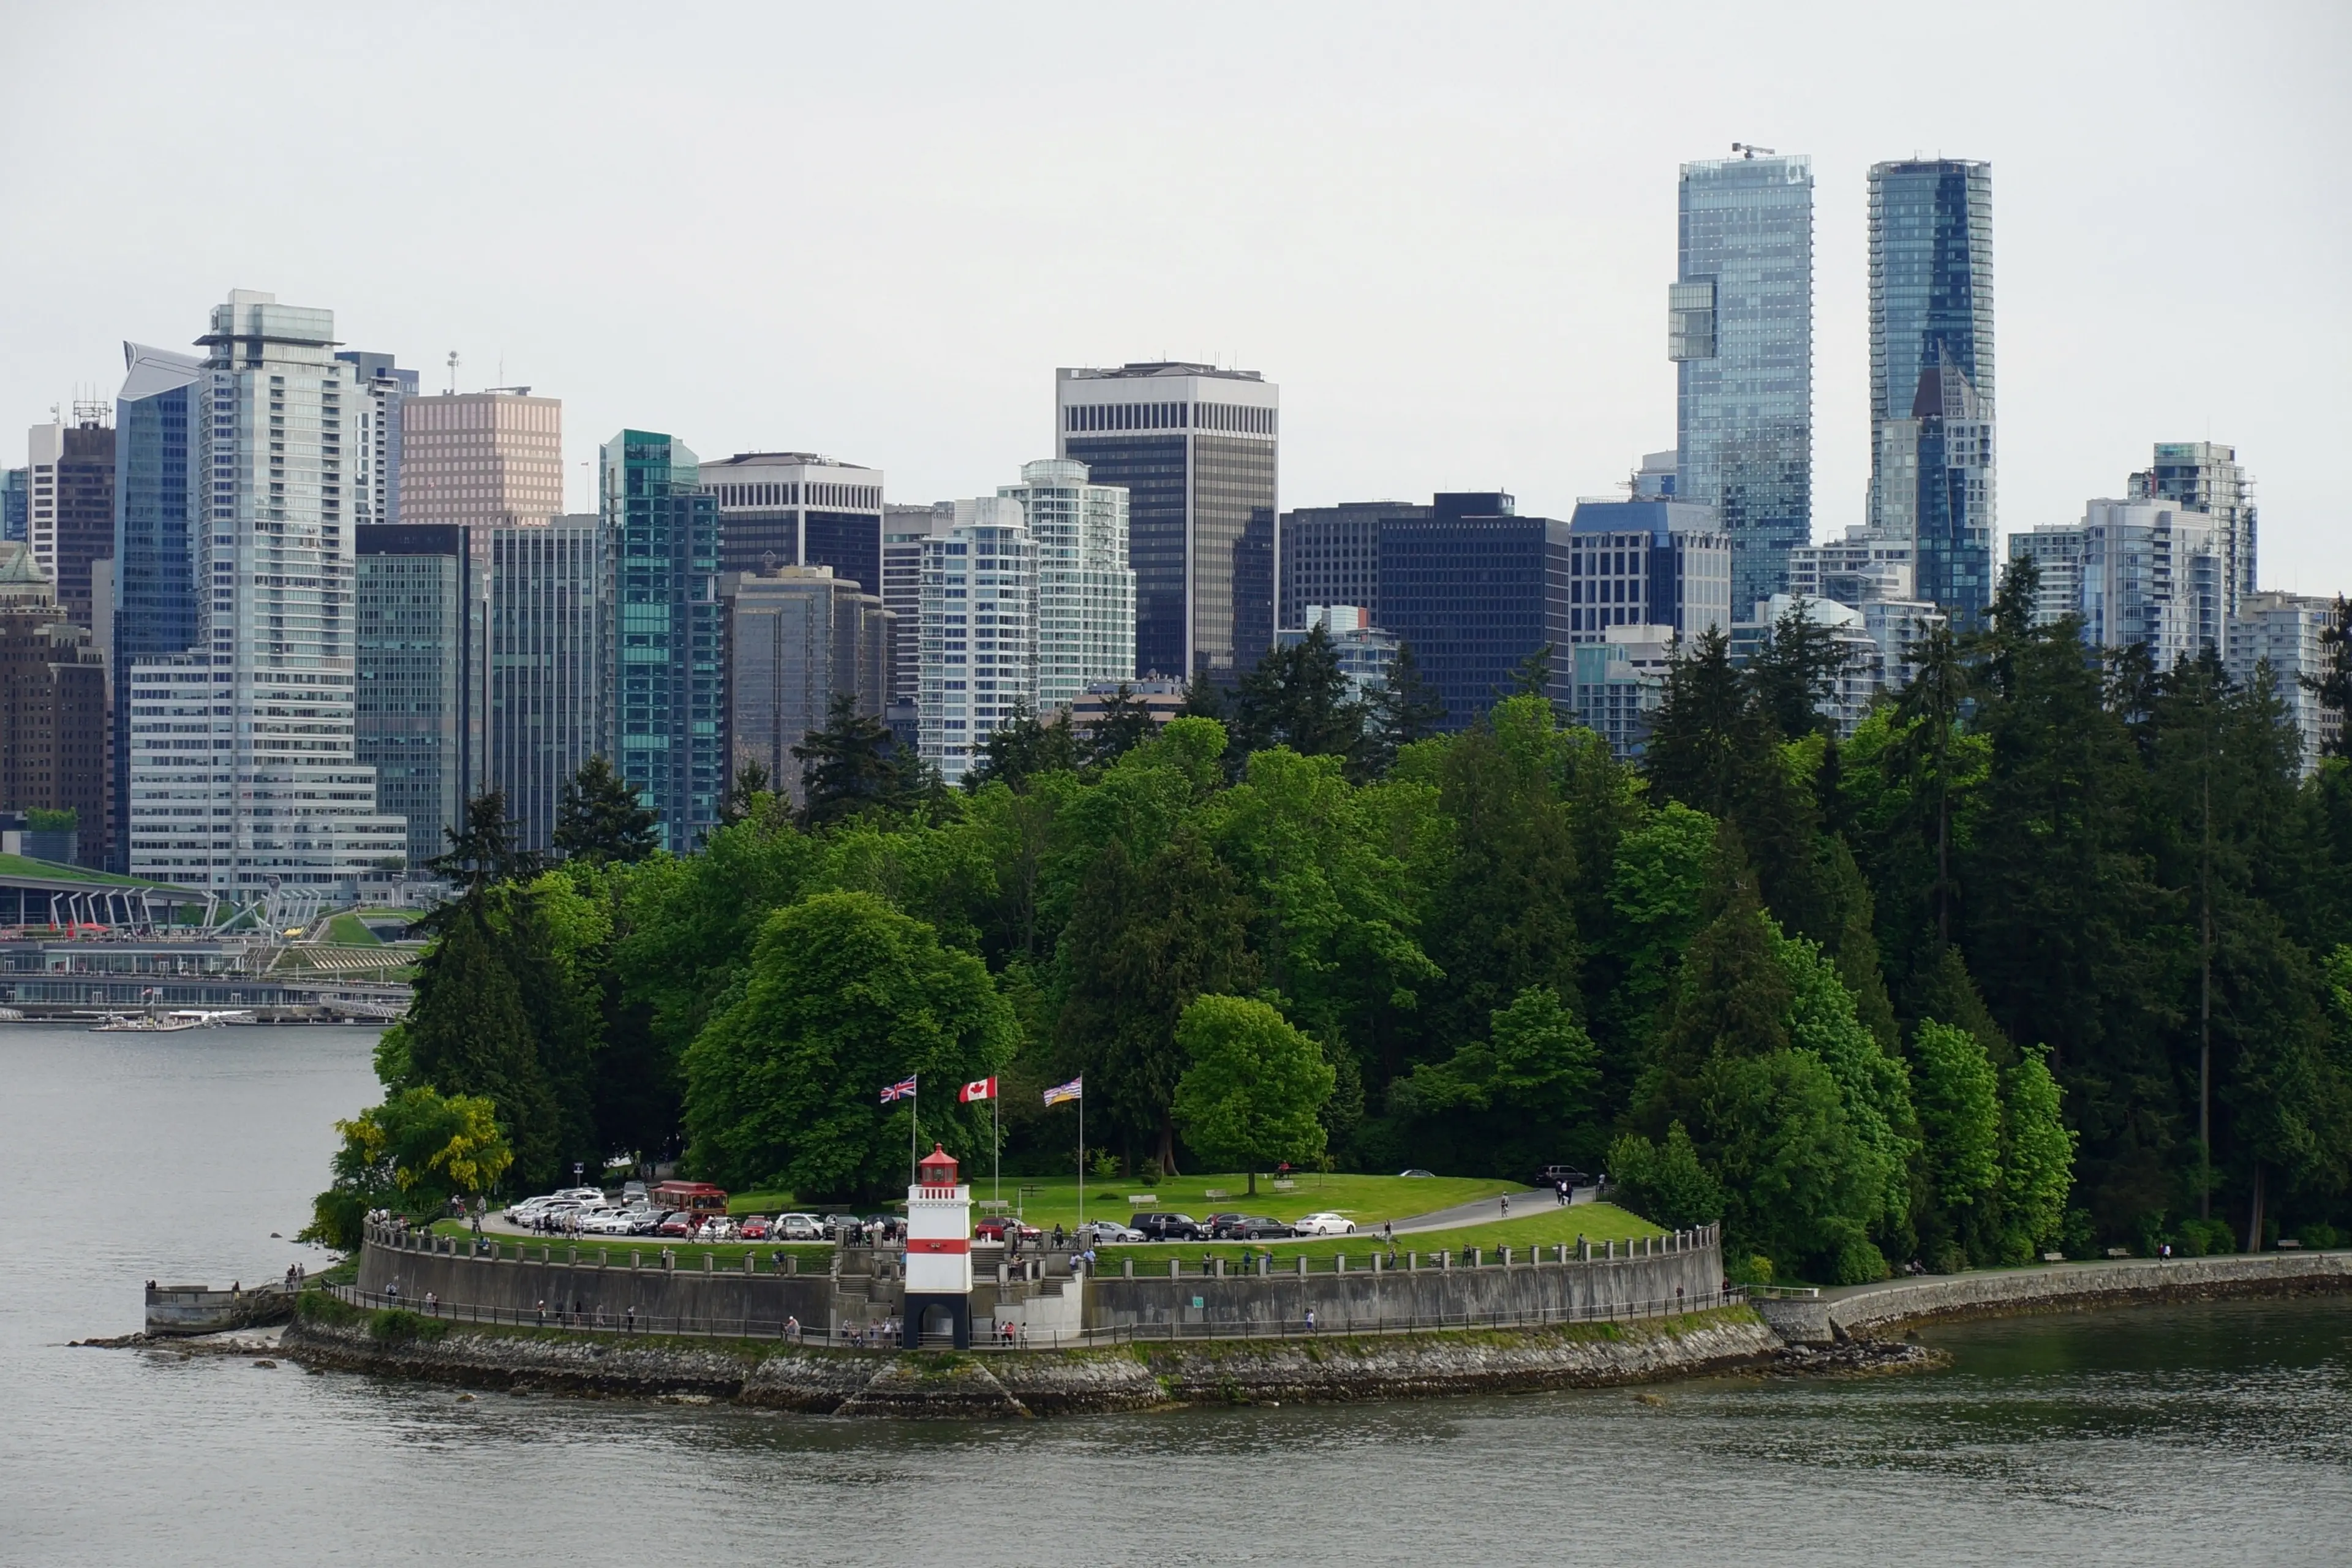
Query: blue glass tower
(1740,332)
(157,487)
(665,716)
(1931,371)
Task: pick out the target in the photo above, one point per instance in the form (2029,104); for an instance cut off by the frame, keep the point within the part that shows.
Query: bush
(2205,1238)
(1756,1271)
(1858,1263)
(1948,1259)
(2320,1234)
(398,1325)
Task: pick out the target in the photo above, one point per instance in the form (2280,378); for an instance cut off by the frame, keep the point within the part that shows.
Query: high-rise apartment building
(388,388)
(667,708)
(421,613)
(796,508)
(2285,632)
(70,507)
(159,506)
(1932,394)
(904,530)
(1196,449)
(53,738)
(2207,476)
(1663,564)
(2140,573)
(797,638)
(1740,334)
(549,640)
(1474,596)
(479,458)
(15,503)
(980,632)
(1856,570)
(1331,555)
(1363,651)
(243,777)
(1086,591)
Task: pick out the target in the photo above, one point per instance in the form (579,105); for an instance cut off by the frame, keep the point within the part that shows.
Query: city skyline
(1414,357)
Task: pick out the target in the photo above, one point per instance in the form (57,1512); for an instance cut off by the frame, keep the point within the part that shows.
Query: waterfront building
(1931,373)
(1086,591)
(668,706)
(244,776)
(478,457)
(69,502)
(1475,597)
(797,638)
(159,491)
(549,690)
(1740,334)
(1363,649)
(2206,477)
(979,643)
(1196,447)
(53,722)
(1331,554)
(423,607)
(2285,631)
(388,388)
(2140,573)
(797,508)
(1663,564)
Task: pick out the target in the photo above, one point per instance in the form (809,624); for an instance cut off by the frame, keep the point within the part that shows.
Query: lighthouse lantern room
(939,1252)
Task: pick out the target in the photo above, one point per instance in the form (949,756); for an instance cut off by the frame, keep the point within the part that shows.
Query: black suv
(1167,1226)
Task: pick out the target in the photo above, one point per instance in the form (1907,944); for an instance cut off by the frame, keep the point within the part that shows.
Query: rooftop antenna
(1749,149)
(452,371)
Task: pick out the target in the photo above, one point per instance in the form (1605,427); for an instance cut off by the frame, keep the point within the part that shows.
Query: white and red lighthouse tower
(939,1250)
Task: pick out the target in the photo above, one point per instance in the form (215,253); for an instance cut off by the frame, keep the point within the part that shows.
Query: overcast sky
(1446,231)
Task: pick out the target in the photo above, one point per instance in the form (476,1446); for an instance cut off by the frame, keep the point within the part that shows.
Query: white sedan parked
(1325,1223)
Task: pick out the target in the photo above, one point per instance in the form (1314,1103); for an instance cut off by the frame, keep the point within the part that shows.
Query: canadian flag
(978,1088)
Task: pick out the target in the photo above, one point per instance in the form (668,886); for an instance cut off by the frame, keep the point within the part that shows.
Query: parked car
(1108,1233)
(1257,1227)
(1553,1175)
(519,1212)
(837,1225)
(1325,1223)
(996,1227)
(608,1222)
(1418,1172)
(758,1227)
(678,1223)
(634,1195)
(1168,1227)
(718,1227)
(1220,1226)
(797,1228)
(647,1222)
(583,1194)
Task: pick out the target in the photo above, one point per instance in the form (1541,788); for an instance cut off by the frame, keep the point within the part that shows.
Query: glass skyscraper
(158,487)
(1931,373)
(1740,332)
(667,701)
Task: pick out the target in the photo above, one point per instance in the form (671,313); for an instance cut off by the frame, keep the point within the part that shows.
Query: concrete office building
(2142,573)
(1476,592)
(1662,563)
(1197,450)
(1932,393)
(478,457)
(422,605)
(668,705)
(550,622)
(2206,477)
(53,722)
(796,508)
(388,389)
(1331,555)
(797,638)
(1086,591)
(2284,631)
(979,644)
(1740,334)
(158,508)
(244,776)
(69,502)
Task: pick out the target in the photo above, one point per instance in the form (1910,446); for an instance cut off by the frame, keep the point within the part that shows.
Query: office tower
(158,499)
(481,458)
(69,508)
(980,632)
(422,605)
(797,638)
(52,706)
(796,508)
(272,795)
(1658,478)
(16,499)
(1363,650)
(1664,564)
(388,389)
(2285,632)
(1932,396)
(1475,597)
(904,530)
(1086,591)
(549,619)
(1196,449)
(668,706)
(1740,332)
(2141,573)
(2207,476)
(1331,555)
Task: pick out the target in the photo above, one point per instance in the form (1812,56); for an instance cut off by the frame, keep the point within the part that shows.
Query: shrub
(2205,1238)
(1948,1259)
(2320,1234)
(1858,1263)
(398,1325)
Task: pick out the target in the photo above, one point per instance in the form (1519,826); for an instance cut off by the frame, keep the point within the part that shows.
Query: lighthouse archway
(938,1321)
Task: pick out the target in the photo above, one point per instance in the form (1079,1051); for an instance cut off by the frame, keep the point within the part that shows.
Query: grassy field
(1542,1227)
(1047,1201)
(349,930)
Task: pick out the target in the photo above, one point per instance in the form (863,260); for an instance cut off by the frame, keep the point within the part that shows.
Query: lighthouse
(938,1251)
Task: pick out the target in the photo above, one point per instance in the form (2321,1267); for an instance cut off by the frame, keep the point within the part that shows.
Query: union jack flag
(903,1090)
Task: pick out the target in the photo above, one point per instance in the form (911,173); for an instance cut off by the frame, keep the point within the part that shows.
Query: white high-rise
(1086,591)
(979,656)
(242,775)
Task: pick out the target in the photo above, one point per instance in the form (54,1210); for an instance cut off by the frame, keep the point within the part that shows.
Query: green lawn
(1367,1200)
(349,930)
(815,1256)
(1542,1227)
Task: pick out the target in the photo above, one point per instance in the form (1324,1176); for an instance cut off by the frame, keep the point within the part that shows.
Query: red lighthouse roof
(938,1168)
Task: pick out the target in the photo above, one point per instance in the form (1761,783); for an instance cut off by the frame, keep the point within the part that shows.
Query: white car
(1325,1223)
(608,1222)
(592,1195)
(522,1211)
(1109,1232)
(797,1228)
(716,1230)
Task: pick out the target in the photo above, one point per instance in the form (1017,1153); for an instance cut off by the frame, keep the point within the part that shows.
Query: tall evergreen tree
(1298,696)
(484,850)
(1125,725)
(1023,747)
(1405,708)
(602,820)
(1797,670)
(854,765)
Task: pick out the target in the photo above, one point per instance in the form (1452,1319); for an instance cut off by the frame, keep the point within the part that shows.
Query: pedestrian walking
(542,1309)
(1311,1319)
(1507,1205)
(629,1319)
(432,1304)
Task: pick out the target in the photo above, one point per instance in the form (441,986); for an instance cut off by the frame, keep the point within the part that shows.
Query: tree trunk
(1252,1182)
(2254,1222)
(1168,1149)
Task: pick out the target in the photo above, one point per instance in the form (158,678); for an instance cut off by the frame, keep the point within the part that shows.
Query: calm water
(2177,1435)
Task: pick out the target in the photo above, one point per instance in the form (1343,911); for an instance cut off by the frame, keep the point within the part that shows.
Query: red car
(757,1227)
(681,1224)
(995,1228)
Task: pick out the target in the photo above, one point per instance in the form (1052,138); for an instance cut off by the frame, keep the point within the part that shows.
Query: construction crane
(1749,149)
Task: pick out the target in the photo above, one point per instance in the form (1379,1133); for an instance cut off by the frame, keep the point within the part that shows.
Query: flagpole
(1082,1151)
(914,1127)
(996,1146)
